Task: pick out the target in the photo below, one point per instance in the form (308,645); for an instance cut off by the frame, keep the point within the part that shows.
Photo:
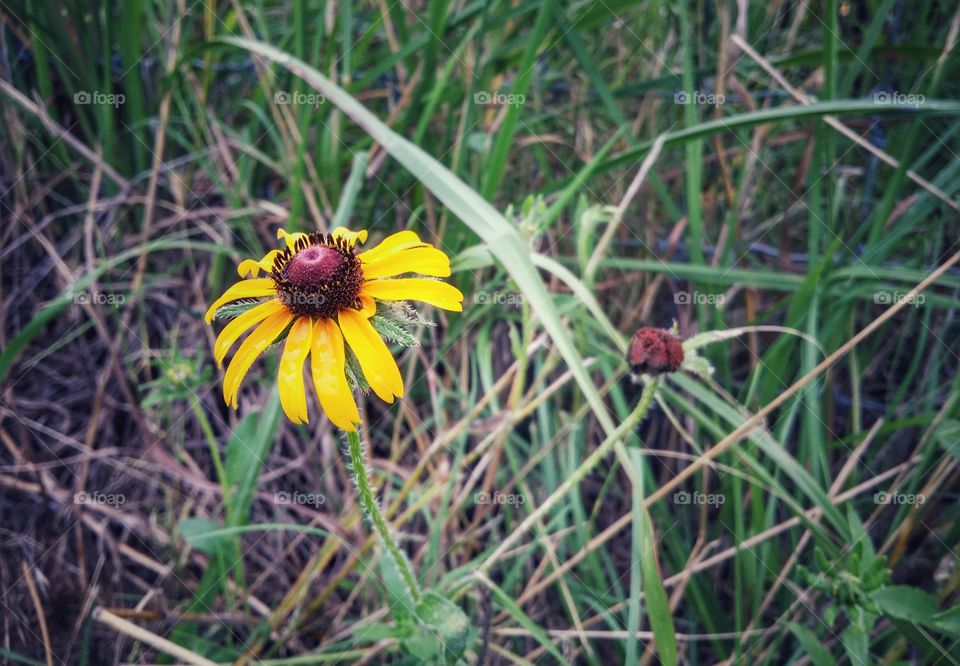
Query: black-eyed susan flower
(321,292)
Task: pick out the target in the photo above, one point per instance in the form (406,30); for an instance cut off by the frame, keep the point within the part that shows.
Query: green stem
(371,509)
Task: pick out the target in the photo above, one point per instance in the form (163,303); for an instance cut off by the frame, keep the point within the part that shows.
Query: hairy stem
(371,509)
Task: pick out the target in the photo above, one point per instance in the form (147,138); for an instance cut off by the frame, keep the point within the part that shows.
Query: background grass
(811,185)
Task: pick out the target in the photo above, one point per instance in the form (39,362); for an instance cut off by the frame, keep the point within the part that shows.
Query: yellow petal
(261,338)
(377,364)
(236,328)
(243,289)
(401,240)
(434,292)
(293,398)
(350,236)
(253,267)
(425,260)
(327,361)
(290,238)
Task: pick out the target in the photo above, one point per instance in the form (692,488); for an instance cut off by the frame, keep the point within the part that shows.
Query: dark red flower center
(319,276)
(314,265)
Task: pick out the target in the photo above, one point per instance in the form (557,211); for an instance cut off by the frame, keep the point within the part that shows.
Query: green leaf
(202,534)
(947,622)
(447,620)
(818,654)
(906,603)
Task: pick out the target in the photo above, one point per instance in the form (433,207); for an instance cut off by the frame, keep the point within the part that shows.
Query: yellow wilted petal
(327,361)
(350,236)
(290,238)
(424,260)
(293,398)
(434,292)
(253,267)
(241,323)
(243,289)
(261,338)
(377,363)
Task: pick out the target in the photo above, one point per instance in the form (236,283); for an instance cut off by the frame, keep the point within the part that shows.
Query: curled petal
(350,236)
(402,240)
(253,267)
